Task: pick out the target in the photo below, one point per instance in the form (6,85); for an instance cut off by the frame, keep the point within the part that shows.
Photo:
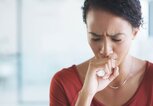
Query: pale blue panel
(151,18)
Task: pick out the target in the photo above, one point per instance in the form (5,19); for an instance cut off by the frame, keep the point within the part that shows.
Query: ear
(134,32)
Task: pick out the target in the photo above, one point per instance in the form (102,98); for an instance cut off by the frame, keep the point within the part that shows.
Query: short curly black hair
(129,10)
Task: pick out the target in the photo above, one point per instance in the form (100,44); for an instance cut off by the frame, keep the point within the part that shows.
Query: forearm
(84,99)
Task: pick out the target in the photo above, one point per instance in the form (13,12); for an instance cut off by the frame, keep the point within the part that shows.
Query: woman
(112,77)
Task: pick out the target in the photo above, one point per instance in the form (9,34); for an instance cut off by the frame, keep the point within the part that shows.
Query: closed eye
(96,39)
(116,40)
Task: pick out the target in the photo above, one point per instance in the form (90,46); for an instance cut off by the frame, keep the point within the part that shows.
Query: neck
(124,71)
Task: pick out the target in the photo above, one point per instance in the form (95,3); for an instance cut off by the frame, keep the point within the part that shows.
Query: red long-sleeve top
(66,84)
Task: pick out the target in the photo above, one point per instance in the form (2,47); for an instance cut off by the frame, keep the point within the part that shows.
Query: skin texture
(110,39)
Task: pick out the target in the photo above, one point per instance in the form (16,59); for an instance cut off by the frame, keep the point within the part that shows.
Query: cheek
(122,50)
(95,48)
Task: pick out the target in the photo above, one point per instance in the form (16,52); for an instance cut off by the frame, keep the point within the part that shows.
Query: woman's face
(109,34)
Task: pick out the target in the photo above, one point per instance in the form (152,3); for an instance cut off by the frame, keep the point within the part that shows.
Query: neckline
(134,95)
(140,85)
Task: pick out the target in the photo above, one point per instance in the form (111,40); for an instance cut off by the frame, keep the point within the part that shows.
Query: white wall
(142,46)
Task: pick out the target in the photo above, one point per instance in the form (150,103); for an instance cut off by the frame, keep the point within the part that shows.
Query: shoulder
(66,82)
(67,77)
(60,86)
(150,64)
(65,73)
(149,67)
(149,71)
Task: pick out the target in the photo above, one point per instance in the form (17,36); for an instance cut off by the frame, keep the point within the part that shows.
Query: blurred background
(40,37)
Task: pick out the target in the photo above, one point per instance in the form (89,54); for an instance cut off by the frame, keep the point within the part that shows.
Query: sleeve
(57,93)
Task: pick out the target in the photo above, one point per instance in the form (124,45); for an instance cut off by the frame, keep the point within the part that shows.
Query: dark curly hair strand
(129,10)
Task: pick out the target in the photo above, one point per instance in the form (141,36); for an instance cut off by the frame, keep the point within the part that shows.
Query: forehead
(104,21)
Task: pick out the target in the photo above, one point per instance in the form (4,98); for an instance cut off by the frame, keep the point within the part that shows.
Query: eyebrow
(112,35)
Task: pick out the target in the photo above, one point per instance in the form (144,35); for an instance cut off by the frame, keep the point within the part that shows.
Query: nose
(106,48)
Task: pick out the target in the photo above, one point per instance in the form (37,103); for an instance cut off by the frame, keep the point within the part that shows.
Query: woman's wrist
(84,98)
(86,93)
